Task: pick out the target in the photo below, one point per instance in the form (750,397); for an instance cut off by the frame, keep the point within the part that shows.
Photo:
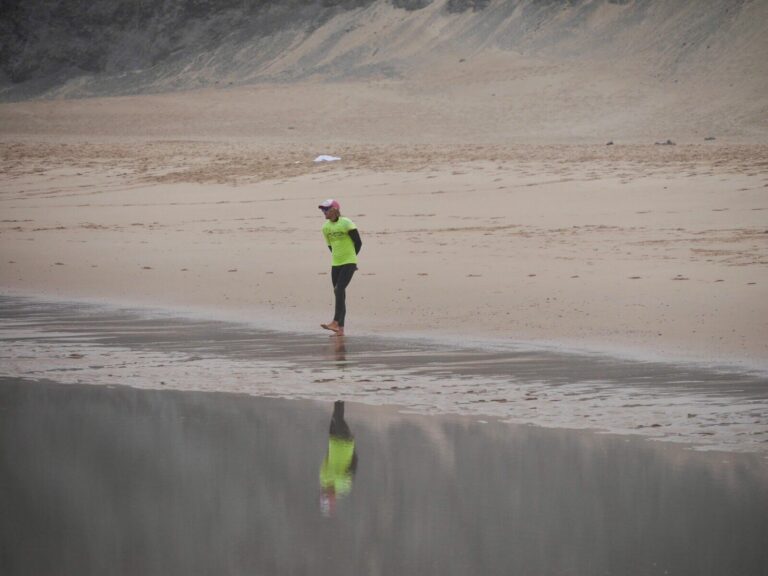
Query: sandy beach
(704,408)
(640,250)
(556,349)
(591,176)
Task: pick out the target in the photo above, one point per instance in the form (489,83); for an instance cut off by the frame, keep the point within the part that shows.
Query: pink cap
(328,204)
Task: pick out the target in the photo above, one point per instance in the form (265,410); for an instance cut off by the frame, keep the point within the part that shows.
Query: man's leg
(336,275)
(340,289)
(335,270)
(334,278)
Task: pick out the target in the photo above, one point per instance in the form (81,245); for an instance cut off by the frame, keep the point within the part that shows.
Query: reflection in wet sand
(340,463)
(708,408)
(116,480)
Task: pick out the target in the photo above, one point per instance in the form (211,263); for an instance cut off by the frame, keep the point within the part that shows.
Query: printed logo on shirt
(336,234)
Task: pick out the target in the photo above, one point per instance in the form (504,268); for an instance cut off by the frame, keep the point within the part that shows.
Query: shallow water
(116,480)
(79,343)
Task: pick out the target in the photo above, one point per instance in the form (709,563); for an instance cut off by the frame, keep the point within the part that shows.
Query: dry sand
(636,249)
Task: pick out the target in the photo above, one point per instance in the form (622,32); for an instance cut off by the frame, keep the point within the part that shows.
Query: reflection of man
(340,463)
(339,350)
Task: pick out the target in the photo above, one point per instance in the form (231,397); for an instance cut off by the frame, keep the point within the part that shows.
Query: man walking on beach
(344,242)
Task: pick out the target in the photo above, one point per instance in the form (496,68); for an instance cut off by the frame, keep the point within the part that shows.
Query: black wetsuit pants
(341,276)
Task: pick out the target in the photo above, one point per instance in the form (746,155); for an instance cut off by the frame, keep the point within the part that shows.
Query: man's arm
(355,235)
(327,240)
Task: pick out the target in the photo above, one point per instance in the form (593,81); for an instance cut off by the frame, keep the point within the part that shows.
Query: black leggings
(341,276)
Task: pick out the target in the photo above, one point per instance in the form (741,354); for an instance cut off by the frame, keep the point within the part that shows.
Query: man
(344,242)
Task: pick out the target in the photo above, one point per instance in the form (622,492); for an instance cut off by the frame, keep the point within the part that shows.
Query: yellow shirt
(337,237)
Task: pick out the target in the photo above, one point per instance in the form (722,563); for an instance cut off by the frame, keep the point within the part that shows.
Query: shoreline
(153,349)
(278,321)
(716,455)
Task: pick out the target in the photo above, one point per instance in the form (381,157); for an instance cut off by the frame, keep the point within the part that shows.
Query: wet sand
(109,479)
(716,409)
(592,175)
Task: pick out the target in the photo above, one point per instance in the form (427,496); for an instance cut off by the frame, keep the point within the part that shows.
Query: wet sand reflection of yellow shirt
(335,472)
(337,237)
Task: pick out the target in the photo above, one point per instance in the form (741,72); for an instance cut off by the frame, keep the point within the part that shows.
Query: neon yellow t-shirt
(337,237)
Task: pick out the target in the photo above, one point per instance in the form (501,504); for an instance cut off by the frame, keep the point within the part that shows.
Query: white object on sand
(326,158)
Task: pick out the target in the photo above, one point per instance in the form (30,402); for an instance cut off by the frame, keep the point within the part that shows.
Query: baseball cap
(330,203)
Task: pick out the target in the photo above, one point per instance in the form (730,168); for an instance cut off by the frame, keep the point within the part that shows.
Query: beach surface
(640,250)
(591,175)
(127,433)
(556,357)
(719,409)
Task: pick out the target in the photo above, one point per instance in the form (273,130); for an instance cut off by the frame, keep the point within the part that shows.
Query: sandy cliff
(489,71)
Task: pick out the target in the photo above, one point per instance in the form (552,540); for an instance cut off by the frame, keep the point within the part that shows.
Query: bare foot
(333,327)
